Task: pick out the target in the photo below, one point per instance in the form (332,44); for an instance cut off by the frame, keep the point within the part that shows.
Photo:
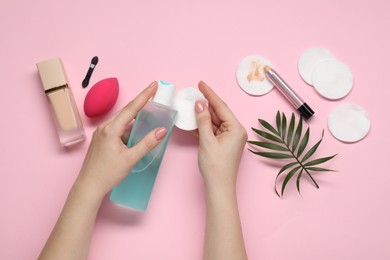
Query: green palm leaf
(284,124)
(286,167)
(317,169)
(297,135)
(269,146)
(268,126)
(286,141)
(291,129)
(304,142)
(273,155)
(280,172)
(313,149)
(278,122)
(319,161)
(288,177)
(267,135)
(299,180)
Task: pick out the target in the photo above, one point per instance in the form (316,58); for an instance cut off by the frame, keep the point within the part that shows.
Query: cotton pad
(184,104)
(250,75)
(349,122)
(332,79)
(308,61)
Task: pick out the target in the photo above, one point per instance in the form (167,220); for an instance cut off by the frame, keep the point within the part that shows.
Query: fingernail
(161,133)
(153,84)
(199,106)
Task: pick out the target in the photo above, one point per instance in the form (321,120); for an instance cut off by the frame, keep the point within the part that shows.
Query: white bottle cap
(164,94)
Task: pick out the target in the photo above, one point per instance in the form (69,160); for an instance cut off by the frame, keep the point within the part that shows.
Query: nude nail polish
(161,133)
(199,106)
(153,84)
(62,105)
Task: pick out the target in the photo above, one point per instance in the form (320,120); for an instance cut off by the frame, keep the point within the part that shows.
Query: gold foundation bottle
(66,116)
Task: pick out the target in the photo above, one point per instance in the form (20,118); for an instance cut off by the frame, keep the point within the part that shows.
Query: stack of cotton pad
(331,78)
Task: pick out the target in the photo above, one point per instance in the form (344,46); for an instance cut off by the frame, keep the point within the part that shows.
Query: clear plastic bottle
(135,190)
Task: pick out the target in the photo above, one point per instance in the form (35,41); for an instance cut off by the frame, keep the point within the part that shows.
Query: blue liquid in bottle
(135,190)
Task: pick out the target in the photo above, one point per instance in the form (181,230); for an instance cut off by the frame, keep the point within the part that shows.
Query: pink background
(183,42)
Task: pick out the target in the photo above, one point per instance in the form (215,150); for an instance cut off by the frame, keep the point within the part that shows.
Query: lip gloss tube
(62,105)
(288,93)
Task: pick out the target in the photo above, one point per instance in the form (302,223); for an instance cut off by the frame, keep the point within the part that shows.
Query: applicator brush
(94,61)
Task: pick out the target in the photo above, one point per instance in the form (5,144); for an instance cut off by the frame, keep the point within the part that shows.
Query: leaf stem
(300,163)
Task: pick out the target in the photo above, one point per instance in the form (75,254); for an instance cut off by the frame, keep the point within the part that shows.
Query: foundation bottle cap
(164,94)
(52,73)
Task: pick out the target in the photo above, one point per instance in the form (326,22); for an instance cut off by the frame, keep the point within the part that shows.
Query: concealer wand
(288,93)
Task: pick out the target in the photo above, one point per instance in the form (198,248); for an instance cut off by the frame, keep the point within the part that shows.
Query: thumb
(148,143)
(203,119)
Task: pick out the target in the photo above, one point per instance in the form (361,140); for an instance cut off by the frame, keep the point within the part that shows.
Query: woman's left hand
(109,160)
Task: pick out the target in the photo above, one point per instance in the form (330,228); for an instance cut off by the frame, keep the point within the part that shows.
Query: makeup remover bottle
(135,190)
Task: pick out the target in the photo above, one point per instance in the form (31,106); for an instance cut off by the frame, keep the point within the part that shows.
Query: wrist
(86,192)
(227,190)
(223,181)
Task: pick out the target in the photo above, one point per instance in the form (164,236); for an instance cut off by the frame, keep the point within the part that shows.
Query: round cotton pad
(349,122)
(250,75)
(184,104)
(309,59)
(332,79)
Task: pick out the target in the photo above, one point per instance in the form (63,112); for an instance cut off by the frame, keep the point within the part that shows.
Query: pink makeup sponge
(101,97)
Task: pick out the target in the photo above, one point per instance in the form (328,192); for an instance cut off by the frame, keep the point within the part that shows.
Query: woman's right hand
(221,140)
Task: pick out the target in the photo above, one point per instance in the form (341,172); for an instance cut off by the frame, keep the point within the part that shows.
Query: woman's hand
(221,140)
(106,164)
(109,160)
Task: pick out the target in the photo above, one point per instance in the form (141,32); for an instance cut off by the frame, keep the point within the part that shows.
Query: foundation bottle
(62,105)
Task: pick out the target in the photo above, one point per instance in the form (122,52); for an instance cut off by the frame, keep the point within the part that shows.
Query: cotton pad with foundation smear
(309,60)
(251,77)
(184,104)
(349,122)
(332,79)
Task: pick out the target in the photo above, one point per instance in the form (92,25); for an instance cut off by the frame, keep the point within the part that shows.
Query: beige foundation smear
(255,74)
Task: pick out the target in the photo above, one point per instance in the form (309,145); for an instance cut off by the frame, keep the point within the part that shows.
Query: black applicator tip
(95,60)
